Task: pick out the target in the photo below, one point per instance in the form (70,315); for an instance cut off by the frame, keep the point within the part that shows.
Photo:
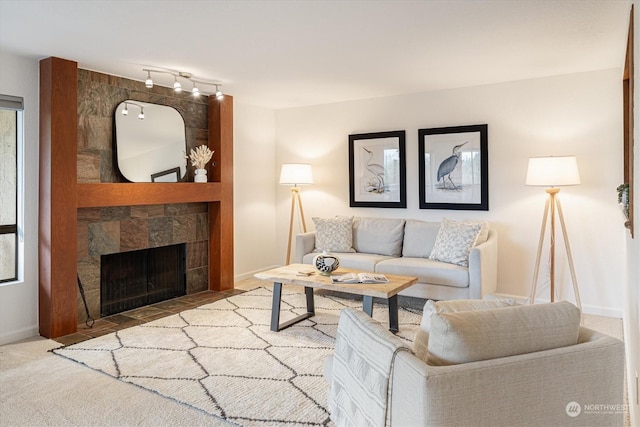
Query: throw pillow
(421,342)
(334,234)
(454,241)
(471,336)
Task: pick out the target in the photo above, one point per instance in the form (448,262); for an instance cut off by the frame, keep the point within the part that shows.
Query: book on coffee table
(359,278)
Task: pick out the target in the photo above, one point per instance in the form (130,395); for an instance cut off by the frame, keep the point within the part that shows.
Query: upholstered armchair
(477,363)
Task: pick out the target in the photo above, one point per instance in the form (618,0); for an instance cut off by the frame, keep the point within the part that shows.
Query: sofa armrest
(305,243)
(483,267)
(361,370)
(527,389)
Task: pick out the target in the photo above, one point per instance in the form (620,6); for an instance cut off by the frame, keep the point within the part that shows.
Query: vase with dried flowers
(199,158)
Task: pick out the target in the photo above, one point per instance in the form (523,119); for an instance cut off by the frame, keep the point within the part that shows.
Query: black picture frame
(170,175)
(377,170)
(453,168)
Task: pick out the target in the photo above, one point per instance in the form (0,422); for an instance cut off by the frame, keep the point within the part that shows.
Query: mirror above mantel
(150,142)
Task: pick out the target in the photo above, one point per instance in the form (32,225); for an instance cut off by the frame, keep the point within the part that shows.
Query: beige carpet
(223,360)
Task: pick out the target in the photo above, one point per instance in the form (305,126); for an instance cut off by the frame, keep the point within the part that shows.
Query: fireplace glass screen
(138,278)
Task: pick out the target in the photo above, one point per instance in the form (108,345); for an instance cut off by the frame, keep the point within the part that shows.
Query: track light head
(195,91)
(125,111)
(141,115)
(176,85)
(148,83)
(219,94)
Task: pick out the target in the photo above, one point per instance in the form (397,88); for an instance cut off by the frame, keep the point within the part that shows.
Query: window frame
(16,104)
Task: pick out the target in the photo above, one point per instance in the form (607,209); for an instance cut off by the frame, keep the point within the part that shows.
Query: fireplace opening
(134,279)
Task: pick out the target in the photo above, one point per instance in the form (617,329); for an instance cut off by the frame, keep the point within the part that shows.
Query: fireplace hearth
(134,279)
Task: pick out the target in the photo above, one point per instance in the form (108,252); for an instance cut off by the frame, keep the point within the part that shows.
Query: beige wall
(577,114)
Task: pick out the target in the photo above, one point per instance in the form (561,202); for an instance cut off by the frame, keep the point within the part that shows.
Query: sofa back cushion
(419,238)
(470,336)
(421,341)
(381,236)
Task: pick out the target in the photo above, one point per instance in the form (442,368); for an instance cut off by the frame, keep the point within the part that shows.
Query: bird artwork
(447,167)
(376,183)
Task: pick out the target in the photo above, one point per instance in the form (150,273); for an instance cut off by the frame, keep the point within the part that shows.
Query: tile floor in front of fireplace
(138,316)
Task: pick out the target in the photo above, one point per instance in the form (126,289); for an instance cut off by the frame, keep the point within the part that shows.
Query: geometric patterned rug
(223,359)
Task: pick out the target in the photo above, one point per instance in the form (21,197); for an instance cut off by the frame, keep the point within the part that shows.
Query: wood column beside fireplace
(61,195)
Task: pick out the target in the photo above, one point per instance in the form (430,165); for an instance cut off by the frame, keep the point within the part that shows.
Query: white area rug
(223,359)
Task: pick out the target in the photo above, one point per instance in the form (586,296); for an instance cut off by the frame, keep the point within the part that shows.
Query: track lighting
(177,86)
(125,110)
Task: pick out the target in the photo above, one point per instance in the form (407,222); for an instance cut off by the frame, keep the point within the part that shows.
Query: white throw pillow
(334,234)
(455,240)
(421,341)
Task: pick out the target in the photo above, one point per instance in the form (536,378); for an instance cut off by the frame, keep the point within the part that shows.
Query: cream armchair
(535,378)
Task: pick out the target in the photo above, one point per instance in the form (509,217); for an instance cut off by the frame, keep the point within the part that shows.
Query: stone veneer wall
(108,230)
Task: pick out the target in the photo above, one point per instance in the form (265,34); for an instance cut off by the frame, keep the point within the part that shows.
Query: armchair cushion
(470,336)
(421,341)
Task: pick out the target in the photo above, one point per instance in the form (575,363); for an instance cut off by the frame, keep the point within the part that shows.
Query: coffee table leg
(367,305)
(393,313)
(275,308)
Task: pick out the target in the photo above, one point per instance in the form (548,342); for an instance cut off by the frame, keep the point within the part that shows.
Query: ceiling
(283,54)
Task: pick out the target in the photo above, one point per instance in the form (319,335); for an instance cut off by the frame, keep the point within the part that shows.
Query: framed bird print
(453,168)
(377,170)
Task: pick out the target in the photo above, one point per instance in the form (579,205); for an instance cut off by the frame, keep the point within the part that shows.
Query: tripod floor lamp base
(553,171)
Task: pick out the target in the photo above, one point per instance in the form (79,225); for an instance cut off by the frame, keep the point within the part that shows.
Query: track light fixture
(177,86)
(125,111)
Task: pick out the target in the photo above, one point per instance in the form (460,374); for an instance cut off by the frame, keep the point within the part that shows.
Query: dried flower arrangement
(200,156)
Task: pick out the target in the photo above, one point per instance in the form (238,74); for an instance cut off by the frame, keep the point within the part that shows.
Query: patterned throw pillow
(334,234)
(455,240)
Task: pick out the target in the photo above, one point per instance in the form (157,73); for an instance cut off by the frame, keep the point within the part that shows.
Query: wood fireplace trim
(57,293)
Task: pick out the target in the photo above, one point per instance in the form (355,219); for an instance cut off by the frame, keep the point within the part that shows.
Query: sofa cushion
(431,307)
(470,336)
(455,240)
(378,235)
(419,238)
(334,234)
(426,270)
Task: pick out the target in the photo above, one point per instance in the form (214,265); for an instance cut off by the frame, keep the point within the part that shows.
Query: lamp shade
(296,174)
(553,171)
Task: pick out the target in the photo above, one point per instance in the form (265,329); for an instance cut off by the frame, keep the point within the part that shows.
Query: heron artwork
(376,183)
(448,165)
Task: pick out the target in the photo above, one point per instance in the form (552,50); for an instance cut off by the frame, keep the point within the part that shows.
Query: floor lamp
(295,174)
(553,172)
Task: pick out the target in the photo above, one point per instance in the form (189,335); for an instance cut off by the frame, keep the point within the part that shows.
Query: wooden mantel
(61,195)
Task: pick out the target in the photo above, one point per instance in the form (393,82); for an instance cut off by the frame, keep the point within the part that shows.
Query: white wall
(254,189)
(577,114)
(19,76)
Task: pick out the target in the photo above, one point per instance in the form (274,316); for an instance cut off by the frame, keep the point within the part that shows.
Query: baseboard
(249,275)
(13,336)
(586,308)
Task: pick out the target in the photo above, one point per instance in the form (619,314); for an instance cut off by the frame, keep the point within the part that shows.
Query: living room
(575,111)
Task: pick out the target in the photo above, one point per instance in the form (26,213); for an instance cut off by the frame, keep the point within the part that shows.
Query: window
(11,108)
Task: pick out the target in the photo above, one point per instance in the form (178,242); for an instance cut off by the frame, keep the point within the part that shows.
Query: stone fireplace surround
(81,193)
(109,230)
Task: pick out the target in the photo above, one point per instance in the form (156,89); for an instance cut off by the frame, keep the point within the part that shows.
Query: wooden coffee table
(290,275)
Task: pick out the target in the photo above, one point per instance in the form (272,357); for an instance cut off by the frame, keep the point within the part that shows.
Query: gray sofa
(402,247)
